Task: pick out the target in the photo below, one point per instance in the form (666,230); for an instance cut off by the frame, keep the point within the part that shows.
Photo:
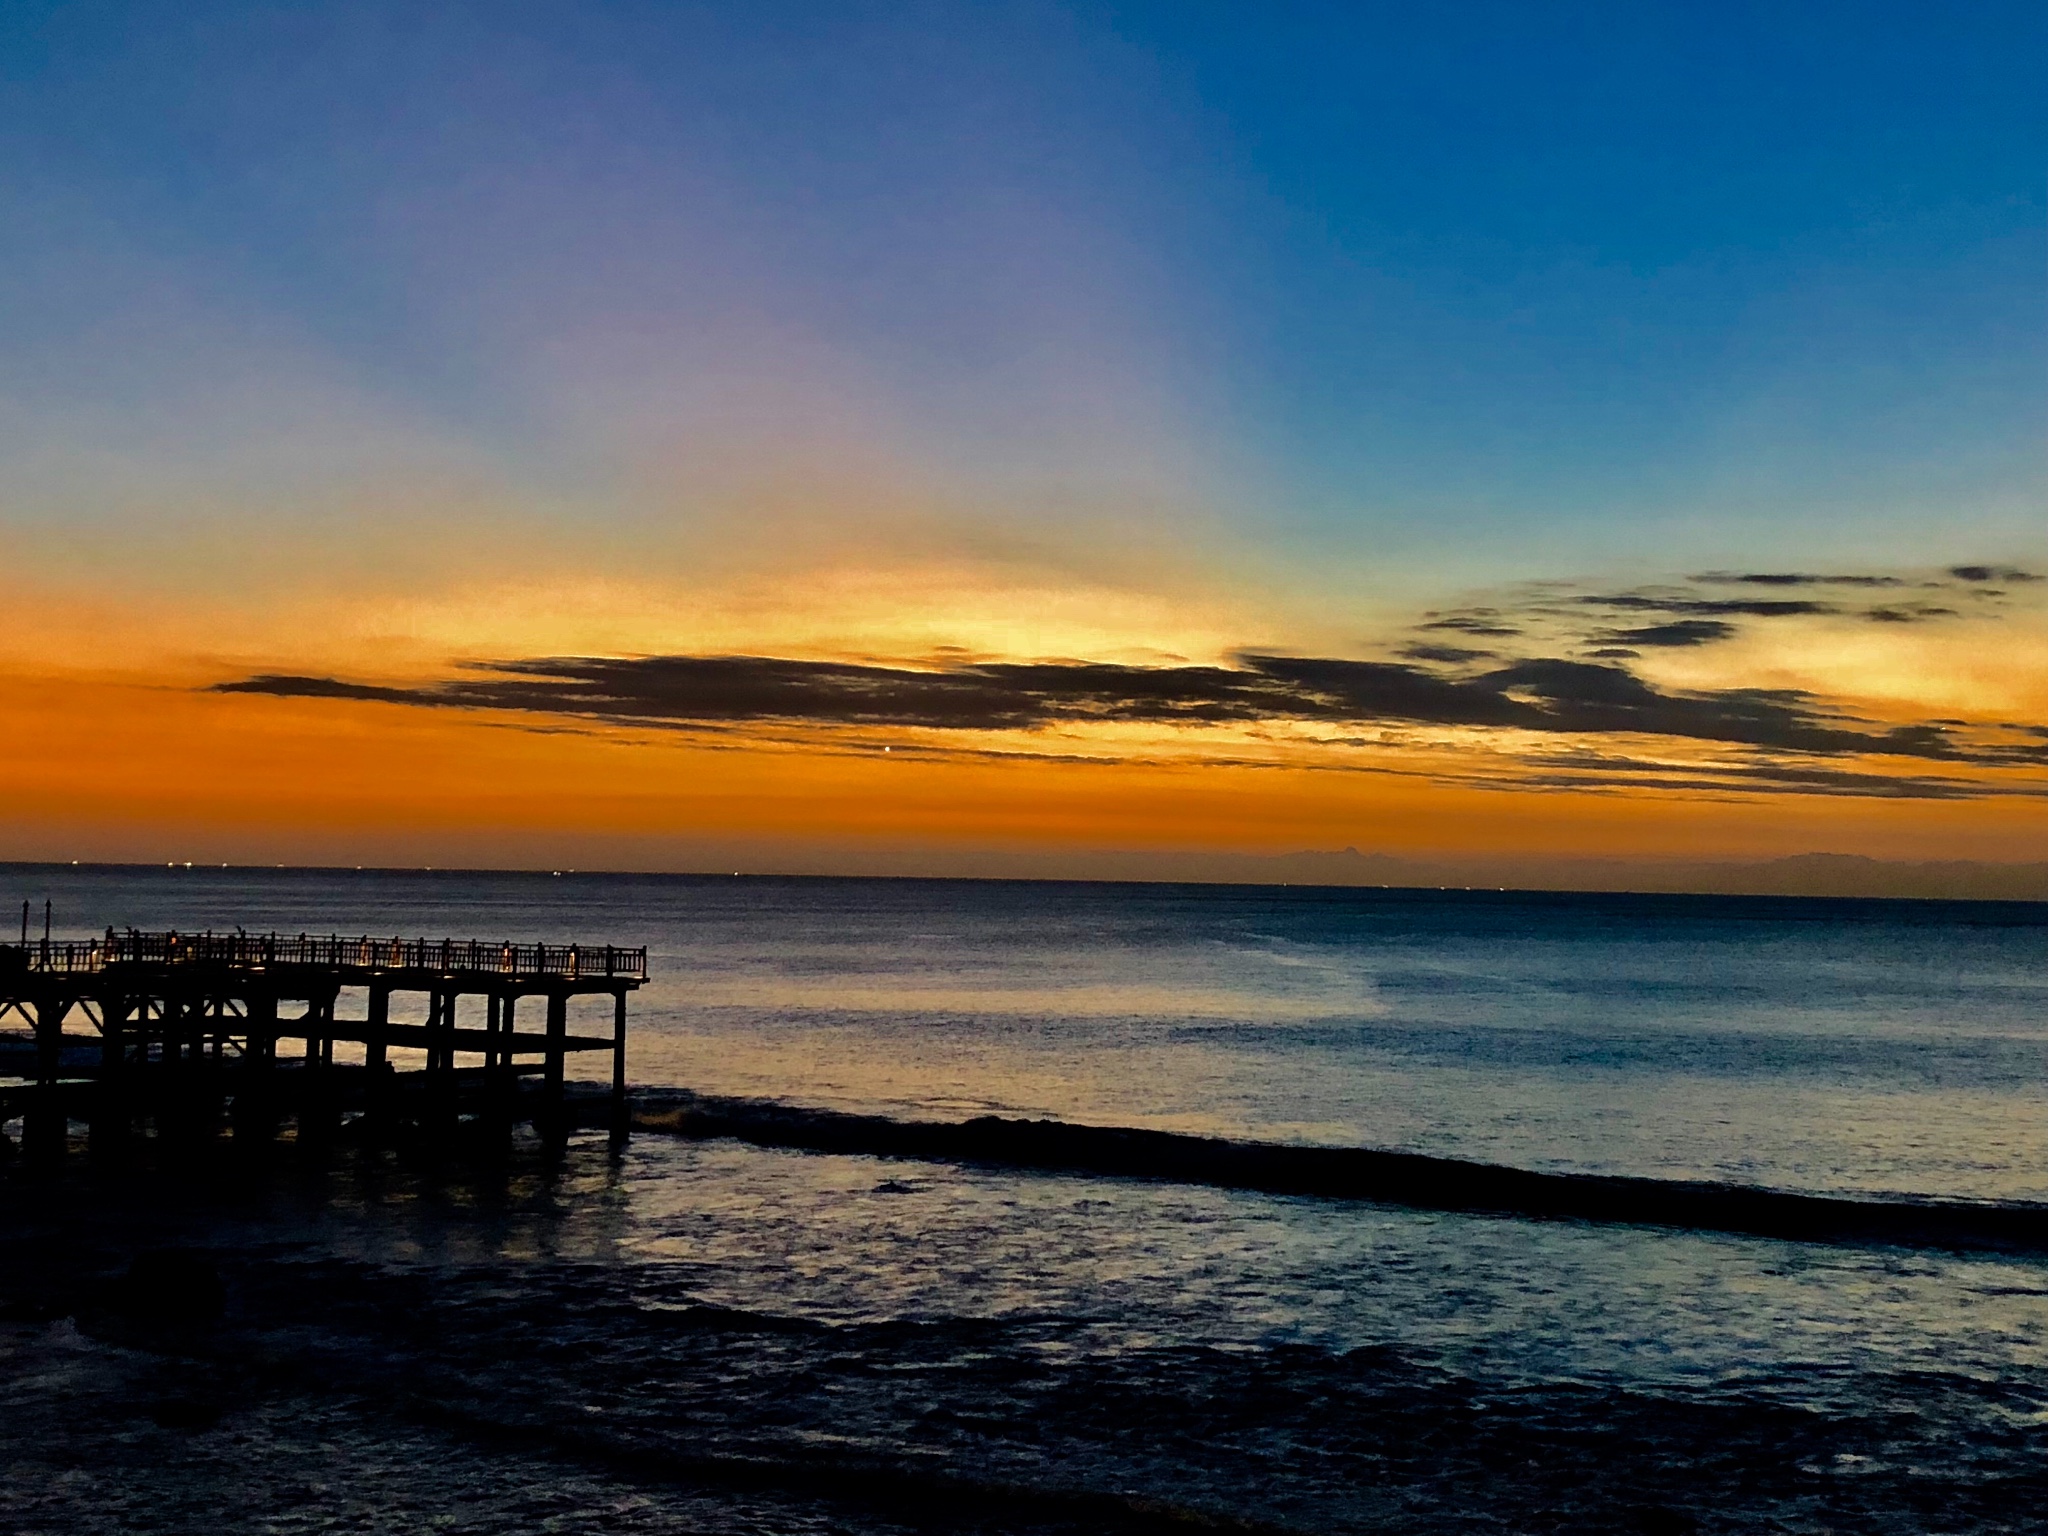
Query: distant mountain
(1805,874)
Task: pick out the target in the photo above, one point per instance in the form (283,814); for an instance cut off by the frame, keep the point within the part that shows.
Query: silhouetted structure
(188,1028)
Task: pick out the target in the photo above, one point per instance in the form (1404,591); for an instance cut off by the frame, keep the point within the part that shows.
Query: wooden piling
(45,1125)
(621,1122)
(108,1128)
(377,1105)
(555,1122)
(255,1110)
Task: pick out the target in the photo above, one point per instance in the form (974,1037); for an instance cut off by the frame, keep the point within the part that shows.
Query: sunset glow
(659,442)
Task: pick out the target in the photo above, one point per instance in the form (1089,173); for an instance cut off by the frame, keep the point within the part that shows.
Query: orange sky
(145,764)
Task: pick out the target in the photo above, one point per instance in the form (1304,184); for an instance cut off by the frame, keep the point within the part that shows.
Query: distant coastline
(1806,874)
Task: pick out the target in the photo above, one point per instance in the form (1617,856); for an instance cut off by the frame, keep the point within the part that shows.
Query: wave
(1364,1174)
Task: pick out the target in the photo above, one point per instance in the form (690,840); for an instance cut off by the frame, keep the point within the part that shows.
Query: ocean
(710,1335)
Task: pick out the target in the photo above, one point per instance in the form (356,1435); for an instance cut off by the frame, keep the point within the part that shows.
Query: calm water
(871,1337)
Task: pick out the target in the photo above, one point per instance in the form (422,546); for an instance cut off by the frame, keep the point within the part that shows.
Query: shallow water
(720,1337)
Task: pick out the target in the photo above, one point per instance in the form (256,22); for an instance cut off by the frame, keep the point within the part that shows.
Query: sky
(829,436)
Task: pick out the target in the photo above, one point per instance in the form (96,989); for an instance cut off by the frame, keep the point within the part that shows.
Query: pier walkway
(186,1030)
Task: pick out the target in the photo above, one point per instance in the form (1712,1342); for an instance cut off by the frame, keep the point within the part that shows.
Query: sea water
(717,1334)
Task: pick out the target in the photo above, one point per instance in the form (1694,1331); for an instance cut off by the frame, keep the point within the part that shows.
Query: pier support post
(501,1078)
(441,1105)
(255,1114)
(44,1127)
(109,1125)
(487,1087)
(554,1128)
(621,1124)
(374,1040)
(210,1026)
(377,1085)
(178,1092)
(318,1105)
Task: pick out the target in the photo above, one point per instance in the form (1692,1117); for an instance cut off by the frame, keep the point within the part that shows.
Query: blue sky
(1443,293)
(1671,256)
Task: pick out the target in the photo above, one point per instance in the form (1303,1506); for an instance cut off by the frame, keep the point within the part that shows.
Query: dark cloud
(1451,654)
(1748,607)
(1912,613)
(1317,688)
(1581,698)
(1679,632)
(1486,624)
(1793,579)
(289,685)
(1572,772)
(717,689)
(1978,574)
(1539,695)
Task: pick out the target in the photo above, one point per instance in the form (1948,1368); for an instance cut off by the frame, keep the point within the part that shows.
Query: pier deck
(183,1029)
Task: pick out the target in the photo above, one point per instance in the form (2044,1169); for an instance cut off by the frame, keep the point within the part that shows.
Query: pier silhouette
(189,1033)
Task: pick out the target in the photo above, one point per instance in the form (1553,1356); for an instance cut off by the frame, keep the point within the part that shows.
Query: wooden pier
(192,1032)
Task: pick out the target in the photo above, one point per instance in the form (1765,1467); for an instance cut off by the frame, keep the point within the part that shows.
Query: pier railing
(260,951)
